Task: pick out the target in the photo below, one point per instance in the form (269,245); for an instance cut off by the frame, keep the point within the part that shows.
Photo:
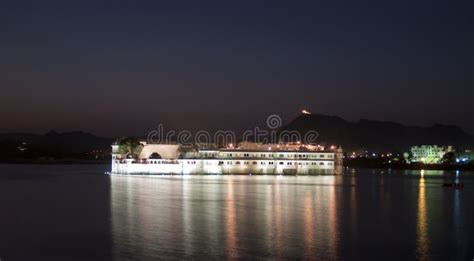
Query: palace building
(244,158)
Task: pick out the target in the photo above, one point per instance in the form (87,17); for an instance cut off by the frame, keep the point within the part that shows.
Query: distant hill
(378,135)
(52,144)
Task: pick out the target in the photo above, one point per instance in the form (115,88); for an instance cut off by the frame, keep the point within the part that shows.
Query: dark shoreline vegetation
(66,161)
(85,148)
(382,164)
(351,163)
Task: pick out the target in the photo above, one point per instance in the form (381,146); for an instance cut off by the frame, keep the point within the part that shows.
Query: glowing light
(305,112)
(422,242)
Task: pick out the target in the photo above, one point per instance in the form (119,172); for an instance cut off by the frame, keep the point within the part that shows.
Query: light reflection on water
(422,242)
(355,215)
(77,213)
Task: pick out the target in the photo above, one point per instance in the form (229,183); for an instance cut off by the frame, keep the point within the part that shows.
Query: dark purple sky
(116,69)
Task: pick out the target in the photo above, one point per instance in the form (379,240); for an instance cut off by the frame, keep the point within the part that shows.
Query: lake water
(78,213)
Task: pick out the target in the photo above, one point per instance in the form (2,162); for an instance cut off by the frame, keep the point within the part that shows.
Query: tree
(408,156)
(449,158)
(130,147)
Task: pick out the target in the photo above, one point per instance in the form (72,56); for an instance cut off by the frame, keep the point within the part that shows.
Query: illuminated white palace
(244,158)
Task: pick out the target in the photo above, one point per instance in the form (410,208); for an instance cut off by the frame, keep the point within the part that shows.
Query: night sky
(122,68)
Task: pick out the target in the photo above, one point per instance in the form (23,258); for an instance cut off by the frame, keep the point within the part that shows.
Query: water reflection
(230,222)
(310,243)
(274,218)
(268,217)
(333,222)
(422,242)
(353,213)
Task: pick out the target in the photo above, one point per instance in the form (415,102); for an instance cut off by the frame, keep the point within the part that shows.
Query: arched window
(155,155)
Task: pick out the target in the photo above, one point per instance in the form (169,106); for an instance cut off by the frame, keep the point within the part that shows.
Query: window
(321,163)
(281,163)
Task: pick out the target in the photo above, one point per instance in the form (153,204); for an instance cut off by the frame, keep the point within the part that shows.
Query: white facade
(227,161)
(429,154)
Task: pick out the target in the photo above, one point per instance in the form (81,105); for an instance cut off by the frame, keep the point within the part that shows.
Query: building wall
(225,161)
(166,151)
(223,166)
(429,154)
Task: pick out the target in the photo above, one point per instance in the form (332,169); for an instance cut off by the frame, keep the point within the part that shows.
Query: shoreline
(56,162)
(346,164)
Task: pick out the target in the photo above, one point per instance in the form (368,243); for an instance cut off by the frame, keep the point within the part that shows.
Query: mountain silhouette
(52,144)
(377,135)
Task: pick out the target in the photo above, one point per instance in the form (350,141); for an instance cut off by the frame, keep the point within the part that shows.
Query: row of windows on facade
(248,163)
(246,155)
(272,163)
